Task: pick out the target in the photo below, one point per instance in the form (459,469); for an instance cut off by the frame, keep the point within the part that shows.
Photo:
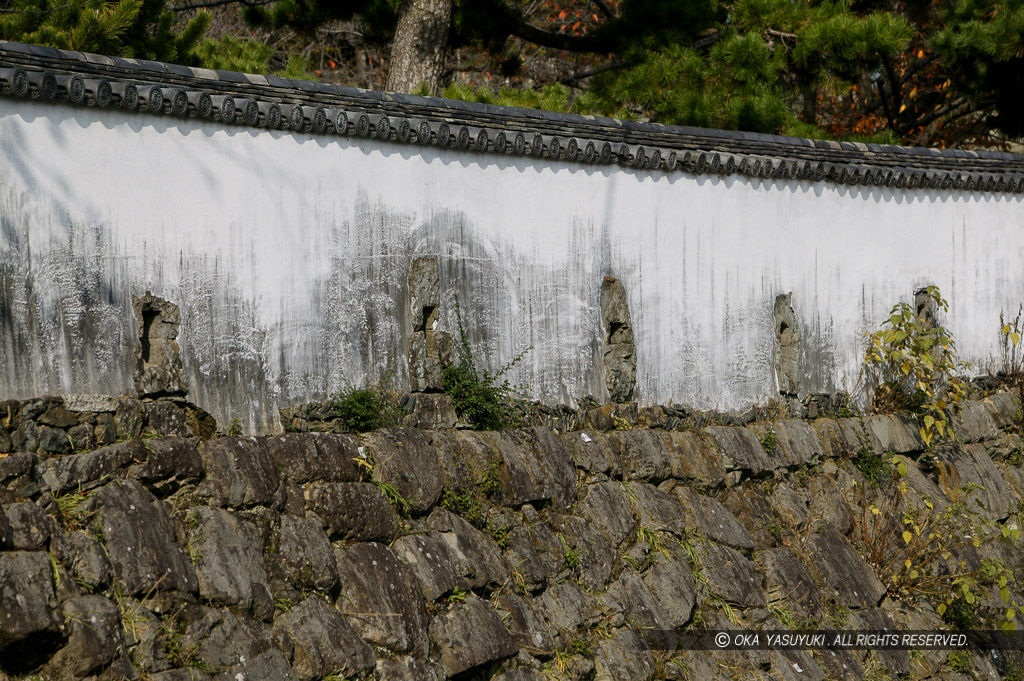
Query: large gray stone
(731,575)
(740,450)
(693,458)
(480,563)
(844,575)
(536,554)
(525,622)
(167,463)
(656,509)
(711,519)
(139,538)
(381,599)
(787,345)
(972,422)
(631,596)
(407,668)
(66,473)
(642,454)
(95,638)
(607,505)
(826,503)
(228,561)
(671,581)
(582,544)
(974,465)
(568,608)
(84,556)
(165,418)
(624,657)
(793,442)
(895,433)
(324,643)
(309,457)
(404,457)
(470,634)
(305,556)
(29,625)
(29,526)
(356,511)
(788,583)
(434,562)
(1003,407)
(240,473)
(233,647)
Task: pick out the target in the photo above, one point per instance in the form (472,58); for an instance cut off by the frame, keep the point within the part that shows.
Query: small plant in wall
(485,399)
(913,365)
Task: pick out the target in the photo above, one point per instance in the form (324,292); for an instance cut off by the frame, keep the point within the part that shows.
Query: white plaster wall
(288,254)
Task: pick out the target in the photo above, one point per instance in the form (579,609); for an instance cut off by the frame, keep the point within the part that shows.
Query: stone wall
(521,555)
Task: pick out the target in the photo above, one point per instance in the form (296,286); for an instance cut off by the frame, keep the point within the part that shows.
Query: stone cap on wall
(271,102)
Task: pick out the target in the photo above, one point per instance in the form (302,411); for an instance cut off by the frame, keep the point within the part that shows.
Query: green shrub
(364,409)
(912,362)
(484,399)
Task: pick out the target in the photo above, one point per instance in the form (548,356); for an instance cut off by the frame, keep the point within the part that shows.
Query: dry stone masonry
(521,555)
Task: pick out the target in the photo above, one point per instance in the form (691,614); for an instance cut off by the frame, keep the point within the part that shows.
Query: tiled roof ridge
(49,74)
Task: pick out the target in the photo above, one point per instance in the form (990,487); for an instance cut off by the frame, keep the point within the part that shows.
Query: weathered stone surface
(128,418)
(789,506)
(16,465)
(642,454)
(167,463)
(582,544)
(845,438)
(521,674)
(826,503)
(974,465)
(324,642)
(139,537)
(619,349)
(405,458)
(795,444)
(787,345)
(624,657)
(607,505)
(29,627)
(235,647)
(82,437)
(57,416)
(731,576)
(1003,407)
(788,582)
(53,440)
(895,433)
(429,411)
(591,452)
(6,540)
(524,622)
(228,561)
(305,555)
(309,457)
(470,634)
(95,637)
(381,599)
(425,367)
(656,509)
(711,519)
(157,359)
(67,473)
(480,564)
(84,557)
(93,403)
(165,418)
(239,473)
(972,422)
(693,457)
(353,510)
(740,450)
(105,431)
(435,564)
(845,576)
(29,527)
(567,607)
(631,596)
(537,554)
(406,668)
(529,465)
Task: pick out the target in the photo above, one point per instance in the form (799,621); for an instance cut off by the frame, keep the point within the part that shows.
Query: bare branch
(577,77)
(217,3)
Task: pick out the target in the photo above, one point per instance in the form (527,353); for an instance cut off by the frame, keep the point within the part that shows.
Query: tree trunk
(421,41)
